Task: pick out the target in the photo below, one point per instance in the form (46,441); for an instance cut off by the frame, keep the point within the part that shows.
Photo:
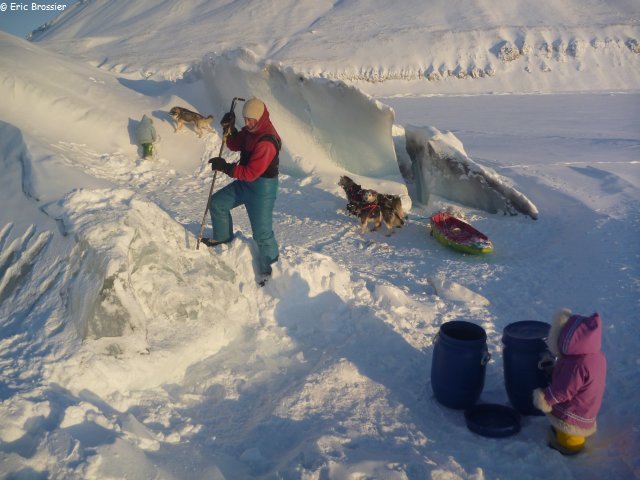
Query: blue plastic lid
(529,334)
(492,420)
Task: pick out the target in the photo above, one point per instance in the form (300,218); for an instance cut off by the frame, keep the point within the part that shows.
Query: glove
(221,165)
(228,120)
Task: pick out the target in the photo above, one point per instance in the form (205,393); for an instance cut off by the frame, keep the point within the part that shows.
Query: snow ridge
(369,42)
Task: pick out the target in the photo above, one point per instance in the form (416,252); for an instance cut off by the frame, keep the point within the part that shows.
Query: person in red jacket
(256,184)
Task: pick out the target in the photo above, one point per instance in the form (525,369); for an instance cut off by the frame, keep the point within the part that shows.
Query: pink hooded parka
(574,397)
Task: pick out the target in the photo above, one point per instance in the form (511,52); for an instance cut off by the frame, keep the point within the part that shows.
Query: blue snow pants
(259,198)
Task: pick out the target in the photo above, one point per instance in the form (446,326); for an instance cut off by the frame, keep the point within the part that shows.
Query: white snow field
(127,353)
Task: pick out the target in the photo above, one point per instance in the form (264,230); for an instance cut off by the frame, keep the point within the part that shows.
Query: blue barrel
(458,365)
(524,355)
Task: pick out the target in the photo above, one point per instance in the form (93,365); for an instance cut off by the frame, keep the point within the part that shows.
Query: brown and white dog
(371,206)
(183,115)
(392,212)
(369,211)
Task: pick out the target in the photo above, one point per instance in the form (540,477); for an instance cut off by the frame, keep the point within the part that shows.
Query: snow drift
(138,289)
(122,288)
(334,128)
(492,48)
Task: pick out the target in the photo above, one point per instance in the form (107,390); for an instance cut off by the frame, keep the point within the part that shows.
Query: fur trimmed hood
(574,334)
(573,399)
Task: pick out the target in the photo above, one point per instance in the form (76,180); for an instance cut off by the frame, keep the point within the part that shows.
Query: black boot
(209,242)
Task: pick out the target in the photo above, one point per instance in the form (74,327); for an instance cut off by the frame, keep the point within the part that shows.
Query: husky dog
(182,115)
(350,187)
(370,206)
(369,211)
(391,210)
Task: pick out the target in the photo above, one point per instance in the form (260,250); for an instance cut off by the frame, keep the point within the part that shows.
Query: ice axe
(225,134)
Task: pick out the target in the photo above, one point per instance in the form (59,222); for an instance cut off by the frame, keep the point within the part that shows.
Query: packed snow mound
(442,167)
(592,42)
(137,287)
(126,275)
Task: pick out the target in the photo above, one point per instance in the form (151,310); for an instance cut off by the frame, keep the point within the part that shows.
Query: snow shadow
(150,88)
(16,152)
(132,125)
(284,390)
(344,331)
(164,116)
(609,182)
(28,473)
(38,422)
(80,426)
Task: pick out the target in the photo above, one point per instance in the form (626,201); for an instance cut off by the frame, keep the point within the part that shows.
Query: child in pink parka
(573,398)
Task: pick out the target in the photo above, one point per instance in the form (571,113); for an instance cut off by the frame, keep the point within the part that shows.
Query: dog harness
(357,204)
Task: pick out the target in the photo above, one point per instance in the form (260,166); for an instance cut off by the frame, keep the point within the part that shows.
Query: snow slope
(126,353)
(471,46)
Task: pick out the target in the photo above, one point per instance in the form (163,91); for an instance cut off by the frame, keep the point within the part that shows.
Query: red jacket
(260,153)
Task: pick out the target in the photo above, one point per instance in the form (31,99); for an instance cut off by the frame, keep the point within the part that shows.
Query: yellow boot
(565,443)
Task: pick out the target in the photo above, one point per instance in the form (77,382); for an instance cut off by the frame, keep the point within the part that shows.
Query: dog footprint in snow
(365,244)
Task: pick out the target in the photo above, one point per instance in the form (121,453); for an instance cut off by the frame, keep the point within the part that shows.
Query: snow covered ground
(126,353)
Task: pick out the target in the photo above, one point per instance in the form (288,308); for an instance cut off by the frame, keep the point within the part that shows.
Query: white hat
(253,108)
